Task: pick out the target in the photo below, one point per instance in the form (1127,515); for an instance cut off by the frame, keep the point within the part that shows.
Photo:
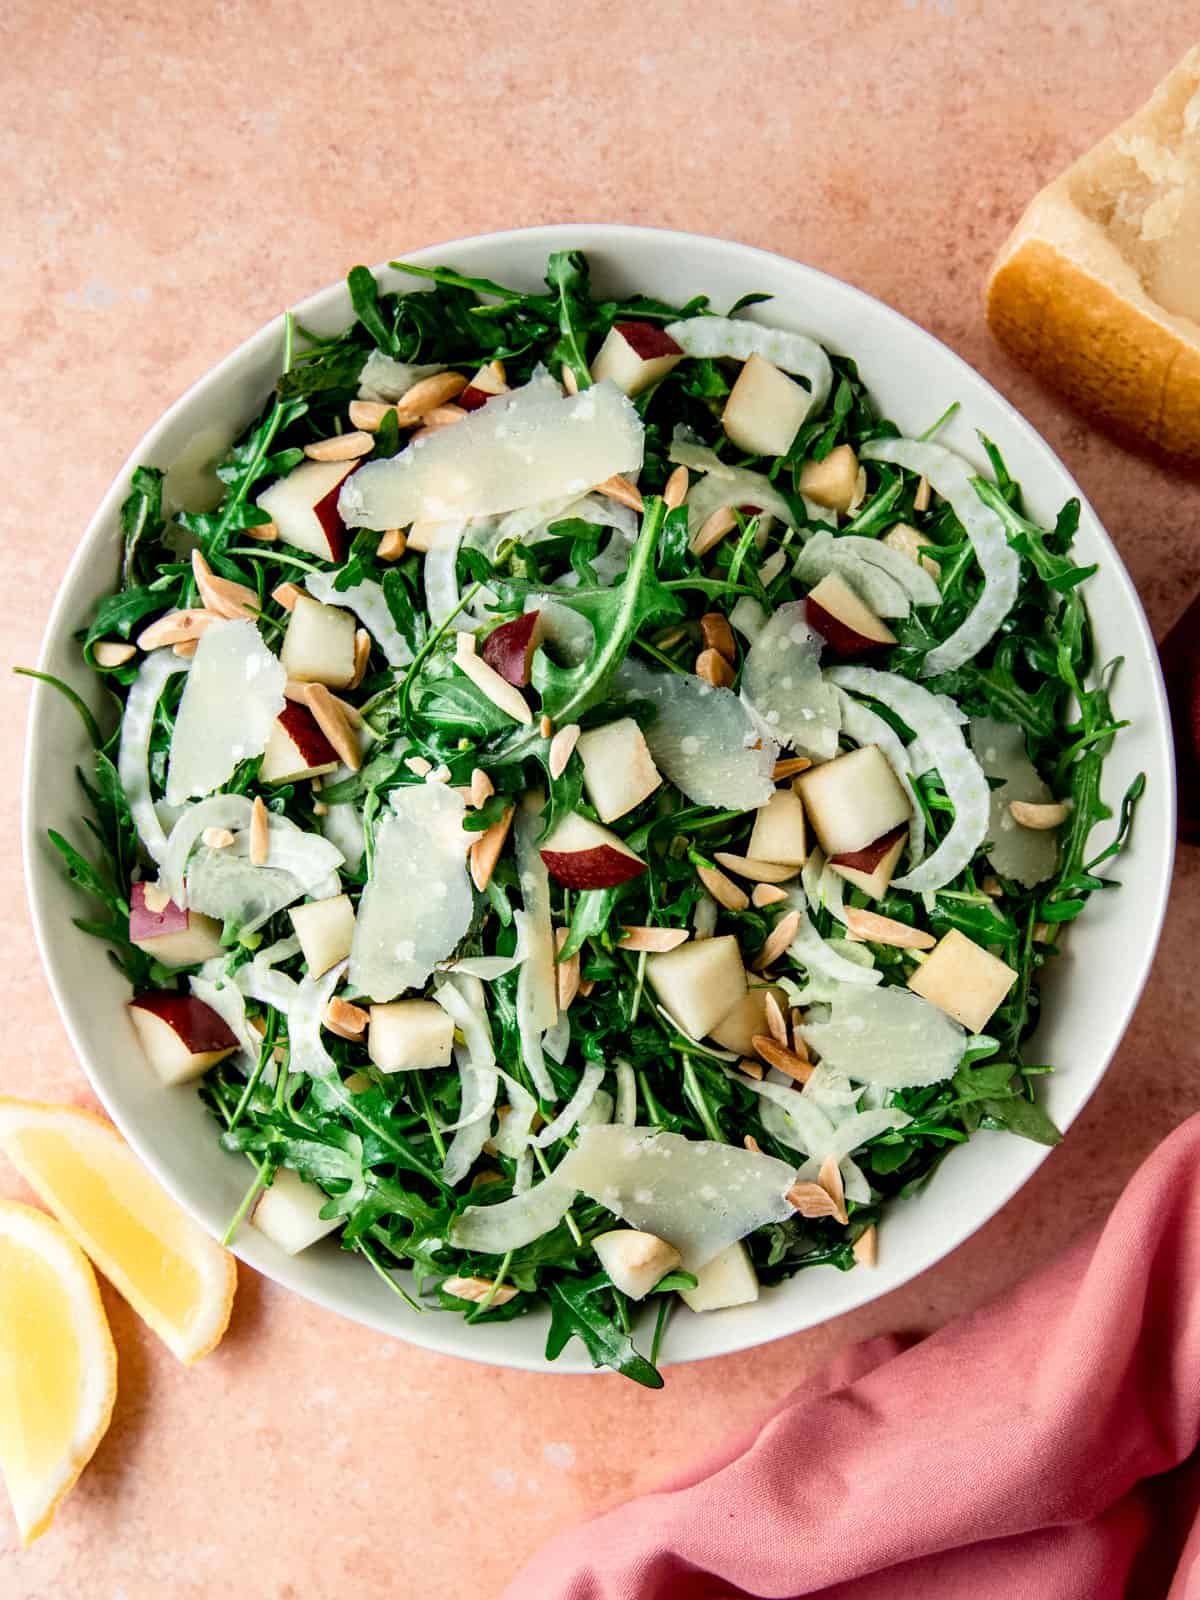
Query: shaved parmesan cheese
(736,486)
(386,380)
(951,477)
(1029,855)
(133,756)
(865,726)
(515,451)
(537,991)
(937,725)
(307,1052)
(793,352)
(783,685)
(824,554)
(495,1230)
(418,902)
(367,602)
(572,1113)
(701,737)
(696,1194)
(888,1036)
(233,694)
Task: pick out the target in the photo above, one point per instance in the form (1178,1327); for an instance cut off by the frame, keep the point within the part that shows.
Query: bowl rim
(587,236)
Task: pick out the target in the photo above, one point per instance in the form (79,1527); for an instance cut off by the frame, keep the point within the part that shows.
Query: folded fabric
(1037,1450)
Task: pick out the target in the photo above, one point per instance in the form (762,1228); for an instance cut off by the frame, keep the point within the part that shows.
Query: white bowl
(1092,989)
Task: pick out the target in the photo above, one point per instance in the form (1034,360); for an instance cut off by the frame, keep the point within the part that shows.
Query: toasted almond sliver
(362,656)
(112,653)
(776,1021)
(754,869)
(670,637)
(830,1179)
(866,1247)
(346,1020)
(428,395)
(393,545)
(622,491)
(330,716)
(811,1200)
(566,972)
(264,532)
(486,848)
(482,787)
(656,940)
(1040,818)
(710,533)
(260,833)
(341,447)
(712,666)
(177,627)
(777,941)
(992,886)
(545,727)
(781,1058)
(750,1142)
(217,838)
(789,767)
(479,1289)
(568,380)
(498,690)
(561,748)
(186,648)
(368,415)
(886,930)
(752,1069)
(418,766)
(586,985)
(677,486)
(221,595)
(922,497)
(1046,932)
(718,635)
(445,416)
(766,894)
(286,595)
(155,898)
(722,889)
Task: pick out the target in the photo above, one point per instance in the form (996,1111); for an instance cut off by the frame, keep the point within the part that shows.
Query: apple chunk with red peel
(873,868)
(488,381)
(318,646)
(700,982)
(582,855)
(635,1260)
(765,409)
(779,833)
(296,748)
(853,800)
(325,929)
(181,1036)
(304,508)
(618,769)
(963,979)
(634,355)
(176,938)
(509,648)
(848,626)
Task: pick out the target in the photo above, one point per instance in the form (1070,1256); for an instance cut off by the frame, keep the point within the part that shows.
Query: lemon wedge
(175,1277)
(58,1367)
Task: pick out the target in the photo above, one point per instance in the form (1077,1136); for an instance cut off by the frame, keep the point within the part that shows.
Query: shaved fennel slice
(440,576)
(787,1116)
(133,756)
(689,450)
(697,1194)
(523,1176)
(599,1110)
(515,452)
(514,1133)
(850,552)
(951,476)
(307,1052)
(783,685)
(569,632)
(366,600)
(418,902)
(231,811)
(495,1230)
(467,1144)
(228,1001)
(917,584)
(626,1107)
(556,1041)
(793,352)
(748,617)
(817,955)
(737,486)
(824,554)
(585,1092)
(463,1002)
(233,694)
(537,990)
(226,884)
(342,825)
(889,1037)
(386,380)
(702,738)
(1029,855)
(939,732)
(270,988)
(865,726)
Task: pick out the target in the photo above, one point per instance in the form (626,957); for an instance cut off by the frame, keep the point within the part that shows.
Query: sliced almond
(1046,932)
(754,869)
(766,894)
(718,635)
(331,717)
(656,940)
(1039,817)
(221,595)
(776,1021)
(479,1289)
(751,1143)
(752,1069)
(418,766)
(286,595)
(545,727)
(264,532)
(341,447)
(776,1055)
(443,417)
(393,545)
(830,1179)
(722,889)
(482,787)
(622,491)
(260,833)
(710,533)
(561,749)
(217,838)
(992,886)
(922,497)
(676,491)
(789,767)
(427,395)
(485,850)
(112,653)
(811,1200)
(866,1247)
(177,627)
(566,972)
(368,415)
(186,648)
(586,985)
(712,666)
(777,941)
(155,898)
(568,380)
(362,656)
(498,690)
(346,1020)
(886,930)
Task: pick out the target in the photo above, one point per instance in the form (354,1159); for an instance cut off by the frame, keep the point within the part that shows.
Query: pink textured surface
(174,177)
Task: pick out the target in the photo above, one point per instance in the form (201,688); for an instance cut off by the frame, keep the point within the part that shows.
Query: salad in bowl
(590,801)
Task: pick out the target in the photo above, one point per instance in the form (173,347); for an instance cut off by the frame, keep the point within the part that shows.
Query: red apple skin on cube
(172,936)
(181,1036)
(871,869)
(483,386)
(509,648)
(580,854)
(847,625)
(304,508)
(648,340)
(326,513)
(296,748)
(634,355)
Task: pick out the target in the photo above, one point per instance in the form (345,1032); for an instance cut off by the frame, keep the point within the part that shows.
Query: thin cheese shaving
(233,695)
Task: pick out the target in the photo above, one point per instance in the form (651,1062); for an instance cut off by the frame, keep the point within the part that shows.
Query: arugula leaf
(576,1310)
(364,297)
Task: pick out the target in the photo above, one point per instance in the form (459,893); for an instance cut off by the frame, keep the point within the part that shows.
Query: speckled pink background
(176,173)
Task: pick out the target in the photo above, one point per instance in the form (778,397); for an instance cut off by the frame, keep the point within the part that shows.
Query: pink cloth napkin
(1043,1449)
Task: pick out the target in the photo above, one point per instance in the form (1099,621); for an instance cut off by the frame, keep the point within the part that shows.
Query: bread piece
(1098,287)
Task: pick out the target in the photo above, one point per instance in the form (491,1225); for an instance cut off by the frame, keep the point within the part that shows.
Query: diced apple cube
(779,833)
(848,625)
(289,1213)
(634,355)
(296,748)
(509,648)
(729,1279)
(700,982)
(963,979)
(832,482)
(181,1036)
(174,937)
(409,1035)
(489,380)
(303,507)
(318,646)
(872,869)
(635,1261)
(853,800)
(765,409)
(325,929)
(911,542)
(736,1030)
(582,855)
(618,769)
